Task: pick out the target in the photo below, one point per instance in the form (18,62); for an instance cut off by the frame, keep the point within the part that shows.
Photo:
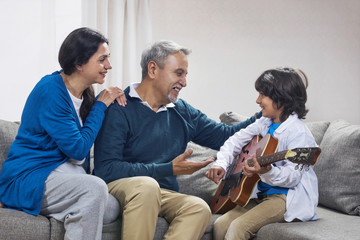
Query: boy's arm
(234,145)
(285,174)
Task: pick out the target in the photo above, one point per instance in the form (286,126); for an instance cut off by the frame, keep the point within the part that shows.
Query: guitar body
(241,193)
(221,203)
(236,188)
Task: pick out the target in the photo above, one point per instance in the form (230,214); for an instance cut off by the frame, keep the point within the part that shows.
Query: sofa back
(338,168)
(8,131)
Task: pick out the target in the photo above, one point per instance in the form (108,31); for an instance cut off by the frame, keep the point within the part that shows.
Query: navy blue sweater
(136,141)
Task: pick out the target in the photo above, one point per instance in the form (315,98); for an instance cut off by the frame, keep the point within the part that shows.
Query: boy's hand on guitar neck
(215,174)
(181,166)
(256,169)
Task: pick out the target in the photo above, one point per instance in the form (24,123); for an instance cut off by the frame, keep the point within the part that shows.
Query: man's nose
(183,82)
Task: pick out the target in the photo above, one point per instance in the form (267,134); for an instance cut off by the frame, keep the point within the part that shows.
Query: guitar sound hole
(231,182)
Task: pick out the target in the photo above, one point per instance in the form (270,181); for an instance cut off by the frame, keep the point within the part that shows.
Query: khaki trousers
(243,223)
(142,201)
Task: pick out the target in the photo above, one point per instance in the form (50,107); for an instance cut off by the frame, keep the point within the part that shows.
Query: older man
(140,148)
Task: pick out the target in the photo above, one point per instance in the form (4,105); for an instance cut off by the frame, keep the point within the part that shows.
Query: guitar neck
(268,159)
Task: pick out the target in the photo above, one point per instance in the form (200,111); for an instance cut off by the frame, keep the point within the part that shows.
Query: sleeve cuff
(164,170)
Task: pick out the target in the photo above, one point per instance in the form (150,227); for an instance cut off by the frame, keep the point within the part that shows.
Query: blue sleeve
(58,120)
(207,132)
(110,146)
(247,122)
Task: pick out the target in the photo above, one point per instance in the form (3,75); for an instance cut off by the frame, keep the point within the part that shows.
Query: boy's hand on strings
(256,169)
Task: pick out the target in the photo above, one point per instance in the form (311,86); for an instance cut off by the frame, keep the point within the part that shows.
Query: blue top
(136,141)
(49,134)
(267,189)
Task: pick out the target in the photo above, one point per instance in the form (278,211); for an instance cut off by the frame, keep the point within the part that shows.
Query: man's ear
(152,69)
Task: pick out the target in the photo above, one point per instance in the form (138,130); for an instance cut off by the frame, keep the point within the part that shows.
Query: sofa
(337,168)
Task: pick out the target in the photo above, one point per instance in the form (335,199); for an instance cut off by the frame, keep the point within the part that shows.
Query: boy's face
(269,108)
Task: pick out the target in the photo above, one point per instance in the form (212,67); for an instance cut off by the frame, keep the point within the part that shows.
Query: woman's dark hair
(287,88)
(76,50)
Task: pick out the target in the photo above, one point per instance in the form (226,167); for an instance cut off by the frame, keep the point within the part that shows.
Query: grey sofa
(337,168)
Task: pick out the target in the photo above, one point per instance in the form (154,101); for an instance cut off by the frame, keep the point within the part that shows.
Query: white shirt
(133,93)
(302,197)
(71,165)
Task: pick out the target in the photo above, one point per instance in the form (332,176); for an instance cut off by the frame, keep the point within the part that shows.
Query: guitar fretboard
(267,159)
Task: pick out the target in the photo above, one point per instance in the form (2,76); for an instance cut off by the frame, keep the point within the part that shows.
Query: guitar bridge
(231,182)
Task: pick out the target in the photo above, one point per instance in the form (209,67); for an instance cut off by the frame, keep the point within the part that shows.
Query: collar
(290,120)
(134,94)
(293,117)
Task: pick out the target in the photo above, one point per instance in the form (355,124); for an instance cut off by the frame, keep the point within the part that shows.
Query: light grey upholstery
(338,171)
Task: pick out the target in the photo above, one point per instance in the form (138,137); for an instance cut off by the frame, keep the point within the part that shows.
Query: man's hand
(1,205)
(256,169)
(215,174)
(181,166)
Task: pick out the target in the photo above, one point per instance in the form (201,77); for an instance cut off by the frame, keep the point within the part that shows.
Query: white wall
(234,41)
(28,48)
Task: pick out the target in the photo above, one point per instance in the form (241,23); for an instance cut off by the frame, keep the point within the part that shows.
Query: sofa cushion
(329,225)
(231,118)
(338,168)
(20,225)
(197,184)
(162,226)
(318,129)
(8,131)
(110,231)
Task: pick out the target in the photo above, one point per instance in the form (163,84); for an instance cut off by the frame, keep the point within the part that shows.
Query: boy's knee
(218,225)
(240,230)
(219,229)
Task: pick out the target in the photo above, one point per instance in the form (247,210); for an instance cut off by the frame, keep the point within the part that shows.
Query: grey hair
(158,53)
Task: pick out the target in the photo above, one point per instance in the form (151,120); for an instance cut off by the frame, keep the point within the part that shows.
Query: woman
(44,172)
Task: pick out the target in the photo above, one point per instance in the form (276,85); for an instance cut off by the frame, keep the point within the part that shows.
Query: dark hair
(76,50)
(287,88)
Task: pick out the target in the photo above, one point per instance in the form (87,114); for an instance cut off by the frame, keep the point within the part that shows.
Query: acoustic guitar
(236,188)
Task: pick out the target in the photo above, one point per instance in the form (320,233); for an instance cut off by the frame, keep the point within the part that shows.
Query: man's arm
(248,121)
(208,132)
